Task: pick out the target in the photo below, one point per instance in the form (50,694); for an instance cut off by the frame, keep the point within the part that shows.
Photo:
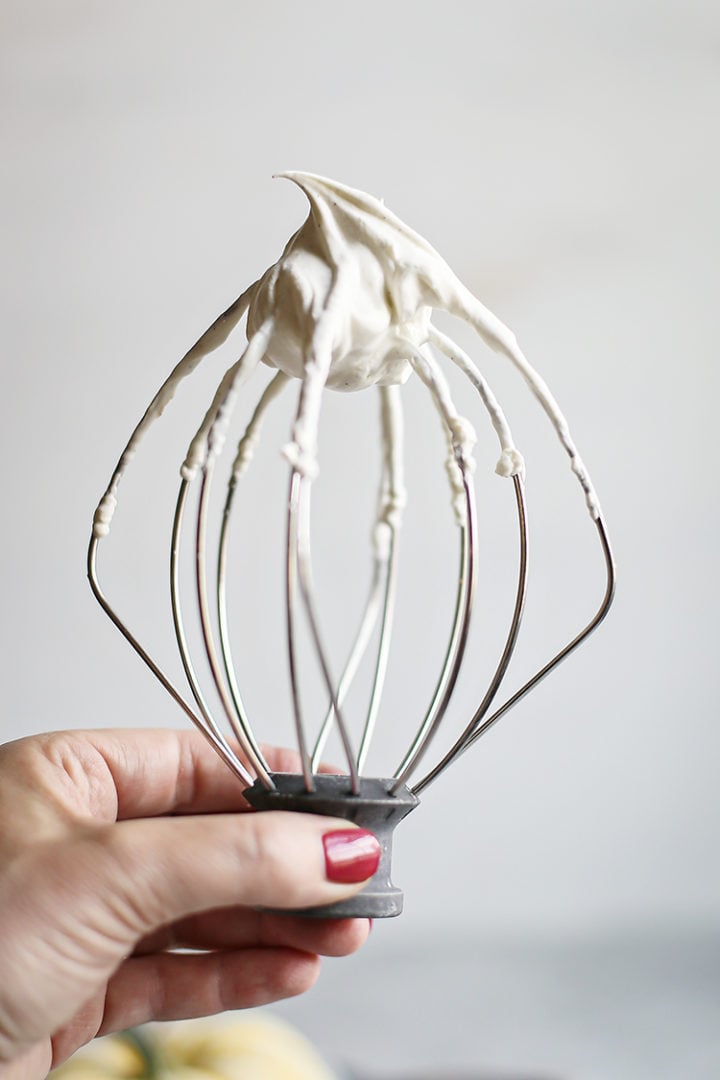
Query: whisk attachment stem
(373,806)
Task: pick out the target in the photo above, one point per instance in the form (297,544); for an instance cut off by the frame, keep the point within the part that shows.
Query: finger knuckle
(277,861)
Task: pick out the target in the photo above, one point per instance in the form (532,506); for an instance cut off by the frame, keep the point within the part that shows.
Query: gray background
(563,158)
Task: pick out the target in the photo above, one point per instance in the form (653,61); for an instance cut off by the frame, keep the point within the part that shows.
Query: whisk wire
(383,651)
(456,645)
(508,650)
(209,722)
(307,589)
(235,716)
(291,589)
(478,731)
(212,734)
(204,447)
(358,649)
(243,458)
(459,435)
(393,498)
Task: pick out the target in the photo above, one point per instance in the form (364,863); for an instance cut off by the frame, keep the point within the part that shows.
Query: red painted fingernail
(351,855)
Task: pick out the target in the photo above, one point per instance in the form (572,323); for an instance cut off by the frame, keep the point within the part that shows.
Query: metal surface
(375,806)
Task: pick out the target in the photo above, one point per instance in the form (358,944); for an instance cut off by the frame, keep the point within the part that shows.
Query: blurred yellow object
(115,1056)
(260,1047)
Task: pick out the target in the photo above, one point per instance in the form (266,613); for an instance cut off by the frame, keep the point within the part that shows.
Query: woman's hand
(117,848)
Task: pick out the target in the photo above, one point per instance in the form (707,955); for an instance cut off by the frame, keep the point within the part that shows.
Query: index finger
(129,773)
(157,771)
(160,771)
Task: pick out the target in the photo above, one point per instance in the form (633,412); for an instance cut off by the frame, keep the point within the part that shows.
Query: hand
(118,847)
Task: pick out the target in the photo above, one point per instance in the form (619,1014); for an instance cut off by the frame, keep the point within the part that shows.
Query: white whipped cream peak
(347,306)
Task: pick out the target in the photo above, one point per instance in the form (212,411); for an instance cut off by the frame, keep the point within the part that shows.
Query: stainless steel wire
(383,651)
(291,590)
(300,508)
(476,729)
(242,460)
(456,646)
(208,720)
(236,717)
(352,664)
(383,587)
(214,737)
(510,642)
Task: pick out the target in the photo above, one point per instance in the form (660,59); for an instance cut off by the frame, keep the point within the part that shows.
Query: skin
(117,848)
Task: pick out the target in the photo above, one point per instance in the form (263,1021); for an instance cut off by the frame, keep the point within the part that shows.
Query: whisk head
(348,306)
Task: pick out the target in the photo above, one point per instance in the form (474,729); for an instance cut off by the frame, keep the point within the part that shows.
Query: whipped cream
(393,493)
(347,306)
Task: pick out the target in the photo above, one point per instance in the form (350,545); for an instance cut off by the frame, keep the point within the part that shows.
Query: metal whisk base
(374,808)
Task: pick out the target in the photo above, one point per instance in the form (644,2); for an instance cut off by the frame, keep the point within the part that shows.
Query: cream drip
(393,494)
(248,443)
(213,337)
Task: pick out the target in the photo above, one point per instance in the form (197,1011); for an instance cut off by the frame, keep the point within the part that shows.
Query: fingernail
(351,855)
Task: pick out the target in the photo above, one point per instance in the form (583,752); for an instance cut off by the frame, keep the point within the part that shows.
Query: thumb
(74,910)
(162,869)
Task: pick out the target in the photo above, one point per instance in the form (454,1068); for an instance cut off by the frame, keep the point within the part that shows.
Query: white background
(563,158)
